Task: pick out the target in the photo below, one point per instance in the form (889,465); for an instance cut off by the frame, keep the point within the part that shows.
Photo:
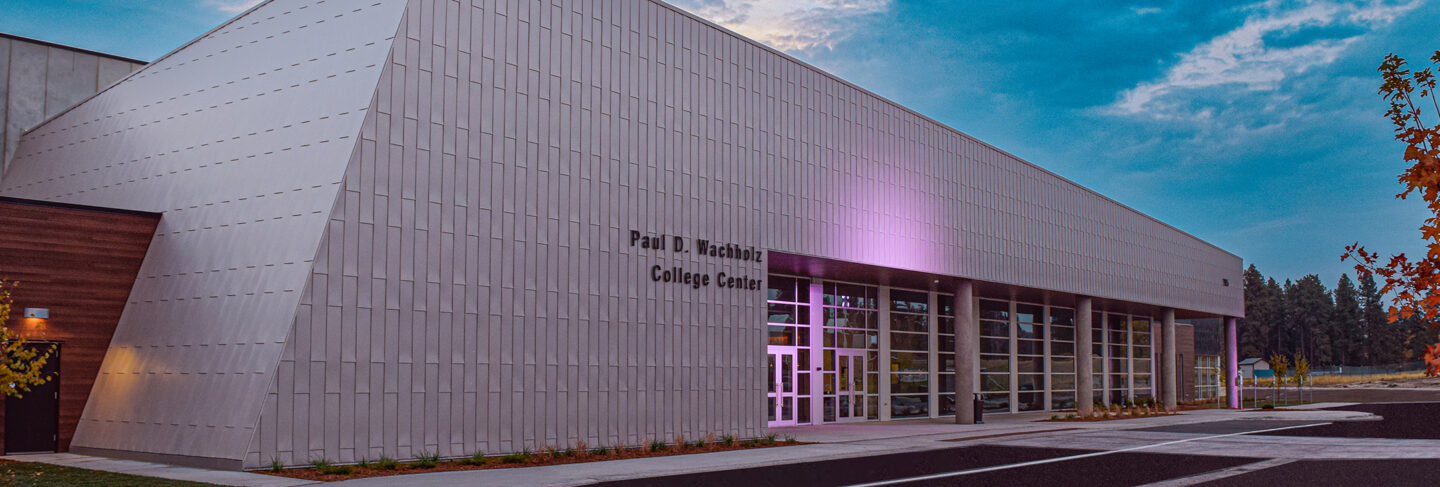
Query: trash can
(979,410)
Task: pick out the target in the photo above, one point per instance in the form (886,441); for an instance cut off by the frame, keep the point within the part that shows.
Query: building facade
(491,226)
(39,79)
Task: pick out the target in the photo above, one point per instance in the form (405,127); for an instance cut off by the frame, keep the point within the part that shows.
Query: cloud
(1277,42)
(233,6)
(788,25)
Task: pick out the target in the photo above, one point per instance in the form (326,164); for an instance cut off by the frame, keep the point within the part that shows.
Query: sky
(1252,125)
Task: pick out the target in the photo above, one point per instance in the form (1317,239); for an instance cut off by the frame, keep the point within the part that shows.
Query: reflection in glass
(1028,313)
(910,361)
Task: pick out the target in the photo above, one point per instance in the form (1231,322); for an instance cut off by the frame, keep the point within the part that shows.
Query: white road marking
(1072,457)
(1223,473)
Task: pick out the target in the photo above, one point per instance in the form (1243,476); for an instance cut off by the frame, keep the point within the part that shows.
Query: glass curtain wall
(1097,357)
(1141,361)
(909,354)
(1062,358)
(1207,377)
(1030,366)
(788,325)
(946,351)
(851,352)
(1027,354)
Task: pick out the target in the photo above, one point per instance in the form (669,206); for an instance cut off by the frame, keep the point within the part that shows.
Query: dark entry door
(32,422)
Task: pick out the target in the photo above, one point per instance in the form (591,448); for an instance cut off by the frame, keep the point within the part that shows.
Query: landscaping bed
(1133,413)
(43,474)
(426,463)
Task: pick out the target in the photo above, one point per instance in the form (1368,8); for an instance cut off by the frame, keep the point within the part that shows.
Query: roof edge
(72,206)
(117,82)
(33,40)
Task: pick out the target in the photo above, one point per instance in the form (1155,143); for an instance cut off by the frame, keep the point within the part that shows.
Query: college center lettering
(675,274)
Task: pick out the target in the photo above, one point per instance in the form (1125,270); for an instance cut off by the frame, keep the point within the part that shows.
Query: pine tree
(1311,308)
(1286,336)
(1382,340)
(1255,331)
(1347,327)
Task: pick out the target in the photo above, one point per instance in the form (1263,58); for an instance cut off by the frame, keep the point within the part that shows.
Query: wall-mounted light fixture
(38,313)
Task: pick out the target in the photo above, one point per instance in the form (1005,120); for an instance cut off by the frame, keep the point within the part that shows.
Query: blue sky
(1253,125)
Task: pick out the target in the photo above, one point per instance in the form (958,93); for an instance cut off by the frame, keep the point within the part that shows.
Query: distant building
(1250,365)
(39,79)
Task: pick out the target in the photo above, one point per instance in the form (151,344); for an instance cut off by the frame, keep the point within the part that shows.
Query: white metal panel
(240,139)
(498,179)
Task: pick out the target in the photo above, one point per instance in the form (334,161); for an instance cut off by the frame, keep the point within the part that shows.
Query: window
(909,353)
(1062,358)
(995,355)
(1030,356)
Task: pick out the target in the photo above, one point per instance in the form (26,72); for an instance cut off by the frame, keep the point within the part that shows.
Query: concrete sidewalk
(833,441)
(157,470)
(829,442)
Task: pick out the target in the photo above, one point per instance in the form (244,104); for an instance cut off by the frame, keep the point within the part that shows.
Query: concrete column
(967,352)
(884,362)
(1084,365)
(1232,365)
(1168,386)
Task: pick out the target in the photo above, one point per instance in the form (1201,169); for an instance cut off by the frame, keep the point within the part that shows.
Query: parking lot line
(1072,457)
(1222,474)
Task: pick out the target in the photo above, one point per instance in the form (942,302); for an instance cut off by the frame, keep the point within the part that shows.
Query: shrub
(1267,406)
(1054,417)
(681,443)
(581,448)
(336,470)
(425,459)
(600,451)
(769,439)
(658,445)
(1072,416)
(324,467)
(363,462)
(727,440)
(790,440)
(522,457)
(276,465)
(386,463)
(477,458)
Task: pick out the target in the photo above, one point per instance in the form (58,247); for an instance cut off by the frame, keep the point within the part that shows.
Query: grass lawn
(30,473)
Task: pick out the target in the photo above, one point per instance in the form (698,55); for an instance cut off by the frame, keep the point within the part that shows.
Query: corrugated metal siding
(241,140)
(477,279)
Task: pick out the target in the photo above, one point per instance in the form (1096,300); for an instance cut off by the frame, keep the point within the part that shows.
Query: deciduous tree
(1415,282)
(22,367)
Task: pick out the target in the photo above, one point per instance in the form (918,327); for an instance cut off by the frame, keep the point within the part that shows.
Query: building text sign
(676,245)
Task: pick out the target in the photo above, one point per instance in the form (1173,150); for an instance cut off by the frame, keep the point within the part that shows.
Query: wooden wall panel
(81,264)
(1185,346)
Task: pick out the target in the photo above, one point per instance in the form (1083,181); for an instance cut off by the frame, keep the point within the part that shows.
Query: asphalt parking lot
(1105,470)
(1002,465)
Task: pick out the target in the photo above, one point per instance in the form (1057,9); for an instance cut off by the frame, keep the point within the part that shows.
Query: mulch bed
(534,460)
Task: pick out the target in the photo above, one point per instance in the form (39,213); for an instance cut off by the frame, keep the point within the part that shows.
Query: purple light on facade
(898,228)
(1232,371)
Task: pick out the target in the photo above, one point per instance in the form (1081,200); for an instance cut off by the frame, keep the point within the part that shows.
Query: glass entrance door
(781,393)
(849,386)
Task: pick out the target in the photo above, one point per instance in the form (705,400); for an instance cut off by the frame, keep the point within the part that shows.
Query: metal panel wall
(241,139)
(477,290)
(46,80)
